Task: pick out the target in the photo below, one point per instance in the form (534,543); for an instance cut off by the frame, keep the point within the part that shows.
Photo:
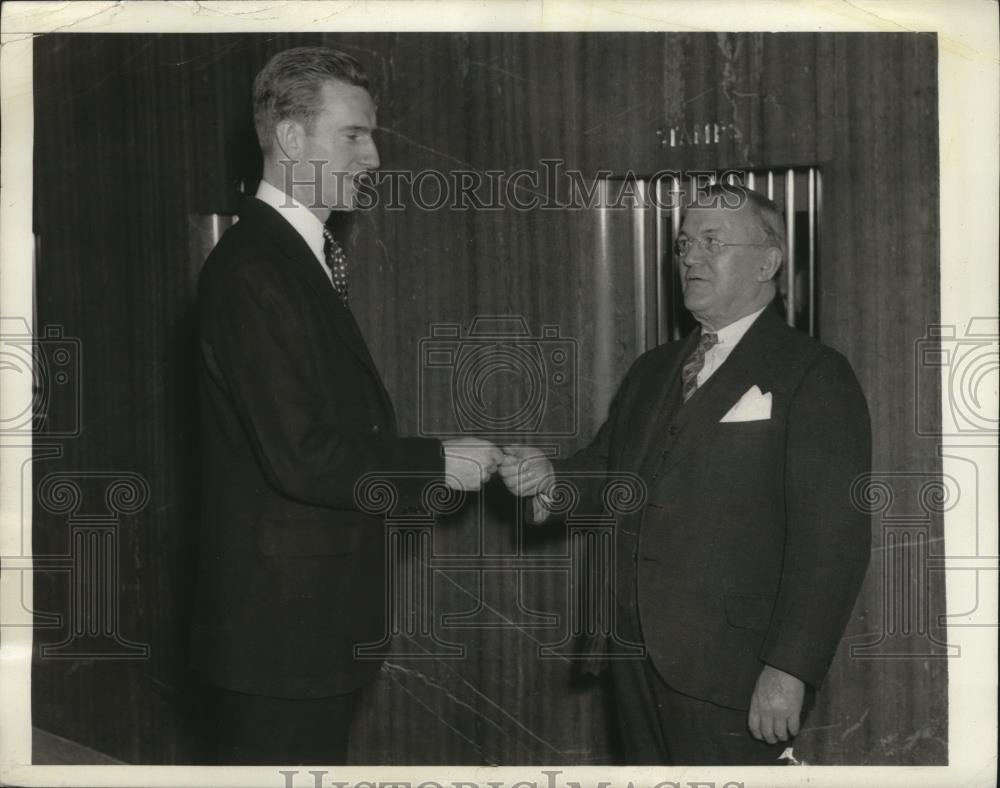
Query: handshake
(470,462)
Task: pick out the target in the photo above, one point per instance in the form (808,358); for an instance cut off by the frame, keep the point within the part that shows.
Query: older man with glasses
(740,572)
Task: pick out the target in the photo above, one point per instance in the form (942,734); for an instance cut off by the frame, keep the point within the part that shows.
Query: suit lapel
(262,216)
(701,414)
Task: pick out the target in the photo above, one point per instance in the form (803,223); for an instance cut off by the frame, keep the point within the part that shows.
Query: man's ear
(770,265)
(290,137)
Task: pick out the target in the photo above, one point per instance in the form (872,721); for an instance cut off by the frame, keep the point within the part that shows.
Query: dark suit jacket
(750,550)
(294,412)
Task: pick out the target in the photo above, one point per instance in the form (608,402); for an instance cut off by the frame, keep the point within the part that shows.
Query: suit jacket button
(673,429)
(376,429)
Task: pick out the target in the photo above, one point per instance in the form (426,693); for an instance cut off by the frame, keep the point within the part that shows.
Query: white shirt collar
(733,333)
(296,214)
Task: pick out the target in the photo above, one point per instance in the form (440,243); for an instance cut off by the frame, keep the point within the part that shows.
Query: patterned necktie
(695,362)
(336,261)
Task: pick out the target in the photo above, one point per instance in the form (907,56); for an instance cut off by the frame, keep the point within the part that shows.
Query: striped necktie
(336,261)
(695,362)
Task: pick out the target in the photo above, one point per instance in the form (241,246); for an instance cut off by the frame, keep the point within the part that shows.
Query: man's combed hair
(289,85)
(766,213)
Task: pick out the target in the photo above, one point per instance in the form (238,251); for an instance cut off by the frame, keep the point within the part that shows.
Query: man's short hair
(765,213)
(289,86)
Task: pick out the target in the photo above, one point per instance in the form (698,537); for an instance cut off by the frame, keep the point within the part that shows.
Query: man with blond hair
(292,574)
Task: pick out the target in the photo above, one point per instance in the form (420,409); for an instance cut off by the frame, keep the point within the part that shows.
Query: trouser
(266,731)
(657,724)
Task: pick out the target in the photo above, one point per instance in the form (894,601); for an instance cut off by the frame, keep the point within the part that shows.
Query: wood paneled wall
(134,134)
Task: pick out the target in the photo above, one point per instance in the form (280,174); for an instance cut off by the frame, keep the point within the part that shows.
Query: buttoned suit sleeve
(828,539)
(588,470)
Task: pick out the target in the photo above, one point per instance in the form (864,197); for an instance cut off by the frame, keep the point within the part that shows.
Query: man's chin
(692,303)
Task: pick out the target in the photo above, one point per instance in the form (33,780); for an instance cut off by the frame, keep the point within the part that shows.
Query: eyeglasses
(683,245)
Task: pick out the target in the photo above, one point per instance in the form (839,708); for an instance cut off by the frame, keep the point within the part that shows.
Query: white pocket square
(752,406)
